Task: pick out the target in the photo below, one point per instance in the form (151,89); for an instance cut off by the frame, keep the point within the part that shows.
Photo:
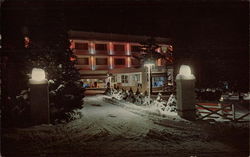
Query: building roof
(114,37)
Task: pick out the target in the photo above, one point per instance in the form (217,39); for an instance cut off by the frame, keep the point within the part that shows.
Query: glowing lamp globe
(185,70)
(185,73)
(38,74)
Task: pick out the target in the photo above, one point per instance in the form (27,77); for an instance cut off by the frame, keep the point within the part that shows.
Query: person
(137,92)
(108,85)
(130,90)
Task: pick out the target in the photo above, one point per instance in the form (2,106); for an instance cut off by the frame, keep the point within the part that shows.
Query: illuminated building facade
(103,57)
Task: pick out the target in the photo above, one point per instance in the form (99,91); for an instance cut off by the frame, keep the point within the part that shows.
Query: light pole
(110,79)
(149,65)
(185,82)
(39,97)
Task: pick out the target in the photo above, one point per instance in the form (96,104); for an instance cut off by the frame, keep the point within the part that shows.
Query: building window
(101,61)
(137,78)
(101,47)
(158,81)
(119,61)
(119,48)
(114,79)
(124,78)
(164,49)
(81,46)
(83,61)
(135,48)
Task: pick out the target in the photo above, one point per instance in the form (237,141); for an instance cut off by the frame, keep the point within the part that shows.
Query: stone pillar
(39,102)
(144,80)
(185,86)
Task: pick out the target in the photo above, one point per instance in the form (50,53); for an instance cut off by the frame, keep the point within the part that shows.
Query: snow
(185,77)
(118,129)
(235,96)
(24,94)
(246,96)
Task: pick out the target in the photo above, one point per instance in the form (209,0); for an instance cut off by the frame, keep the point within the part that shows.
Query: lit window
(26,42)
(137,78)
(158,81)
(114,79)
(124,78)
(164,49)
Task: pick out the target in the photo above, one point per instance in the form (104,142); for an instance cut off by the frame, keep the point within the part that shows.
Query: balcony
(80,52)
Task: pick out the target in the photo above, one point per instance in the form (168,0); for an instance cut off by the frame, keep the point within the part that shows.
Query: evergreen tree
(148,51)
(48,48)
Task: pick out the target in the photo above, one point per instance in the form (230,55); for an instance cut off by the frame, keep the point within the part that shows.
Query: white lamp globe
(38,74)
(185,70)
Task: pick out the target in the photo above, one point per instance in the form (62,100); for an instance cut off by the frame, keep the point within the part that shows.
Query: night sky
(223,22)
(211,35)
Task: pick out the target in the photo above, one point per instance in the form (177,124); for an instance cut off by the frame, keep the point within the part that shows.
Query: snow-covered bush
(171,104)
(16,113)
(108,91)
(65,99)
(131,96)
(120,94)
(164,106)
(158,103)
(139,99)
(117,94)
(75,114)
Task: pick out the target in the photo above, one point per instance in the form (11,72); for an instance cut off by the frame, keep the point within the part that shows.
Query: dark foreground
(109,130)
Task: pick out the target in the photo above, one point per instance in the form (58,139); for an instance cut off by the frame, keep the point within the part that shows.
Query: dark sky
(203,20)
(195,23)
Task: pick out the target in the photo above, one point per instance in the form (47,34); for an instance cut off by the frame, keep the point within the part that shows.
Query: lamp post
(39,97)
(149,65)
(110,79)
(185,82)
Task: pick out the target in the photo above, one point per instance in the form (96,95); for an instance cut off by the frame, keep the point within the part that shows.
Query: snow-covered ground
(109,129)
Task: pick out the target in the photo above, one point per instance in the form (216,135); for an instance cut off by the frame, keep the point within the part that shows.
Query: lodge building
(104,57)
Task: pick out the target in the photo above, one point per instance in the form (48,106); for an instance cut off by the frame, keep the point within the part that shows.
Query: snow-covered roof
(114,37)
(104,73)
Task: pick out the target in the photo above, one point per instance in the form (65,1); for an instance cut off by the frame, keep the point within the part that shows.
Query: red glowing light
(26,42)
(72,59)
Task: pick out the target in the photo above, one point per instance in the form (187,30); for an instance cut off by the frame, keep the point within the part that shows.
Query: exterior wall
(92,71)
(132,83)
(110,54)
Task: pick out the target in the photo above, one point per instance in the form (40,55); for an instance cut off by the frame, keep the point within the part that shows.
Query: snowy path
(111,130)
(114,119)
